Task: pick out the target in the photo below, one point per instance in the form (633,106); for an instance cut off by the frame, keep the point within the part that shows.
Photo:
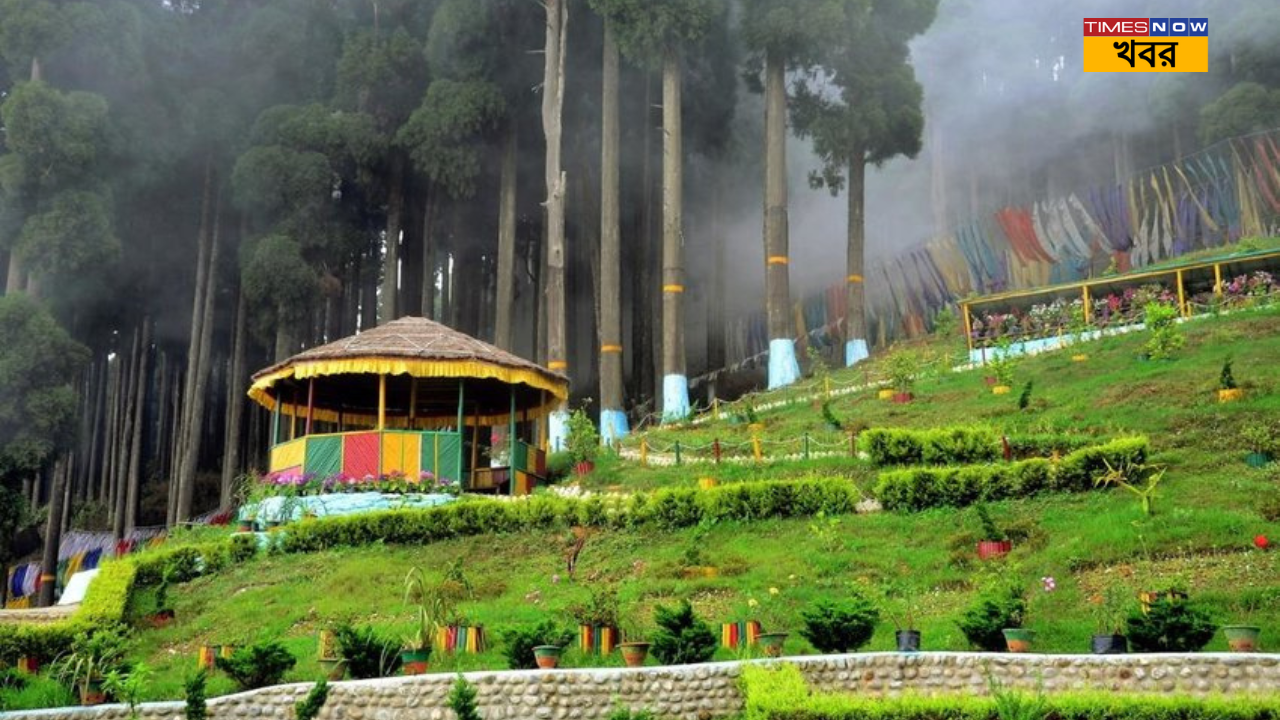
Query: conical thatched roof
(424,362)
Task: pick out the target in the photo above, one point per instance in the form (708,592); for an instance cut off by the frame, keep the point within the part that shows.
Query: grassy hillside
(1209,508)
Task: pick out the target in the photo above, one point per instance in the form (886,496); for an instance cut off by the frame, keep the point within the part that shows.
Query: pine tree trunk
(391,259)
(196,401)
(428,301)
(644,281)
(370,269)
(613,422)
(129,417)
(502,331)
(783,369)
(134,477)
(52,537)
(855,320)
(107,488)
(675,384)
(552,109)
(715,308)
(236,387)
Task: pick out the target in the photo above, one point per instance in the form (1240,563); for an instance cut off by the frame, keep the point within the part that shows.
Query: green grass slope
(1209,508)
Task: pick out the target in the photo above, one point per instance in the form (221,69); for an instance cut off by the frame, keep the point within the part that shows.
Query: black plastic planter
(1109,645)
(908,640)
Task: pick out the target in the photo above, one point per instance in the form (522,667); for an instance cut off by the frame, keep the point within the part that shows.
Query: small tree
(462,700)
(194,689)
(309,707)
(1170,626)
(258,665)
(682,637)
(1166,338)
(1226,380)
(582,442)
(843,626)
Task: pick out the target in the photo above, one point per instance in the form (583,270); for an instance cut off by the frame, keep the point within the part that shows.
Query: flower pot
(327,645)
(1242,638)
(92,693)
(160,618)
(1001,390)
(885,394)
(414,662)
(583,467)
(548,656)
(1230,395)
(634,653)
(990,380)
(902,398)
(908,640)
(772,643)
(1079,357)
(1109,645)
(1018,640)
(707,483)
(28,664)
(1257,459)
(989,549)
(334,668)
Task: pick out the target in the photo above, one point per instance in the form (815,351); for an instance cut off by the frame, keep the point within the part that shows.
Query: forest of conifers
(191,190)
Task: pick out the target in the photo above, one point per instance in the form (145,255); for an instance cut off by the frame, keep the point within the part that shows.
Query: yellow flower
(751,602)
(773,591)
(792,576)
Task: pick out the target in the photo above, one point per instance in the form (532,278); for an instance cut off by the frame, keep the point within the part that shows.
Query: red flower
(1261,542)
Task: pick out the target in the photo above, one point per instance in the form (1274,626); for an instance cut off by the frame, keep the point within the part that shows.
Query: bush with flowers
(294,484)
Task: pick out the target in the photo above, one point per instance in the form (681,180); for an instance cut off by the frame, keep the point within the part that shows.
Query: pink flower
(1049,583)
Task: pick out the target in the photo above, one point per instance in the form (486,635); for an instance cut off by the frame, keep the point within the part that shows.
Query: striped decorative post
(206,656)
(597,639)
(739,634)
(461,638)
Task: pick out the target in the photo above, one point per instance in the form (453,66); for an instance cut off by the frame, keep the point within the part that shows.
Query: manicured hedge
(926,487)
(946,446)
(104,605)
(664,509)
(781,694)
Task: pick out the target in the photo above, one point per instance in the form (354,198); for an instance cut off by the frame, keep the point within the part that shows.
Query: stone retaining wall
(704,692)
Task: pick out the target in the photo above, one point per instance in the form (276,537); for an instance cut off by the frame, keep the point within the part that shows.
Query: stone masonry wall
(705,692)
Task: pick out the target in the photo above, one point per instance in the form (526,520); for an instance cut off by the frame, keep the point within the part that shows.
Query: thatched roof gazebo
(397,398)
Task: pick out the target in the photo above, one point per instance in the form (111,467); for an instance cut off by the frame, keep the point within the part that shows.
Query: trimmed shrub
(258,665)
(920,488)
(104,606)
(243,547)
(993,611)
(682,637)
(840,626)
(462,700)
(948,446)
(1170,626)
(520,642)
(368,654)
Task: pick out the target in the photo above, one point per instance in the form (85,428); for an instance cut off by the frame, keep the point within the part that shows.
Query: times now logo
(1146,27)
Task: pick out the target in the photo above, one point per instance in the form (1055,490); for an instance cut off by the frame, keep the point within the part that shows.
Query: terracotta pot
(988,549)
(772,643)
(1242,638)
(245,525)
(989,380)
(634,653)
(160,618)
(1230,395)
(28,665)
(902,398)
(1019,640)
(1001,390)
(92,693)
(414,662)
(548,656)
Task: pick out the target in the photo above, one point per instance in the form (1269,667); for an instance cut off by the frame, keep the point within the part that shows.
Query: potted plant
(1001,363)
(1228,391)
(1261,443)
(597,621)
(548,655)
(771,639)
(1242,638)
(582,442)
(331,661)
(901,607)
(1110,612)
(995,542)
(433,606)
(902,367)
(634,650)
(93,655)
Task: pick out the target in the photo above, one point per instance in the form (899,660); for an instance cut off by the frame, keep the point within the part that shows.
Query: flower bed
(307,484)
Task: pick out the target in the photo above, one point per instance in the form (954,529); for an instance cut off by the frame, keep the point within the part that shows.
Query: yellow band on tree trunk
(673,288)
(778,260)
(610,348)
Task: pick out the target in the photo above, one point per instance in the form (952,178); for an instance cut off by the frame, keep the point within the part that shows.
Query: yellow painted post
(311,405)
(826,390)
(756,449)
(1088,305)
(382,402)
(968,325)
(1182,297)
(1217,279)
(715,407)
(644,452)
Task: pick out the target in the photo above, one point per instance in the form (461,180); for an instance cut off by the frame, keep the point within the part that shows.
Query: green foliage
(920,488)
(1226,380)
(1246,108)
(682,637)
(945,322)
(194,691)
(1170,626)
(1002,363)
(38,364)
(582,442)
(309,707)
(436,605)
(444,135)
(521,640)
(1259,438)
(622,712)
(993,610)
(462,700)
(601,610)
(903,369)
(58,138)
(664,509)
(796,33)
(829,417)
(646,29)
(258,665)
(1166,337)
(990,531)
(368,653)
(128,686)
(1024,398)
(1141,480)
(94,655)
(243,547)
(71,236)
(1014,705)
(383,75)
(840,626)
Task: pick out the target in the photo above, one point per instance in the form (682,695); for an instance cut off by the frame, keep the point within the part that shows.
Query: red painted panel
(360,454)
